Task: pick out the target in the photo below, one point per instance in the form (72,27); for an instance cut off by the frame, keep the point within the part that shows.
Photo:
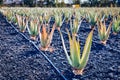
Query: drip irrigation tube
(39,51)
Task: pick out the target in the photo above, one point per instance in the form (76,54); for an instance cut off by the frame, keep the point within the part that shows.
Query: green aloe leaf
(43,36)
(108,30)
(86,51)
(116,26)
(66,53)
(74,50)
(33,28)
(51,35)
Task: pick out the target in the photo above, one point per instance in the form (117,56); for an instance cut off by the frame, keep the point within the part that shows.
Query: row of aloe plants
(37,22)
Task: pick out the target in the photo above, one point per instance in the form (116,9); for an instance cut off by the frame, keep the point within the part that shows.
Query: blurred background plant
(116,26)
(1,2)
(61,3)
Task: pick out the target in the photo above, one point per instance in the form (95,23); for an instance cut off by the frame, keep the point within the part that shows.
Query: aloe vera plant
(40,19)
(8,15)
(116,26)
(104,32)
(67,16)
(104,17)
(22,22)
(47,17)
(77,60)
(58,21)
(46,38)
(33,28)
(75,26)
(92,19)
(14,19)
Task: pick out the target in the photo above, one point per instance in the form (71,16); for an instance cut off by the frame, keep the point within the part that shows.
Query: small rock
(111,75)
(119,67)
(107,78)
(111,69)
(75,79)
(118,78)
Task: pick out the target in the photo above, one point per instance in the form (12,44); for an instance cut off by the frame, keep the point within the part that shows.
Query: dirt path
(19,60)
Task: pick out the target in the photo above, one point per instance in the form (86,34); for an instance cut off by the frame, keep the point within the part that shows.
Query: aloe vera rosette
(58,21)
(46,38)
(22,22)
(104,32)
(47,17)
(116,26)
(9,15)
(75,26)
(14,19)
(75,59)
(33,28)
(92,20)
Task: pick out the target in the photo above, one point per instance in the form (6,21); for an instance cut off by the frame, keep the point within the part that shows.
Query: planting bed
(20,60)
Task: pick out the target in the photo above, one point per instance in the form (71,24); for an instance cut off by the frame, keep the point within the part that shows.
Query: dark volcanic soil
(19,59)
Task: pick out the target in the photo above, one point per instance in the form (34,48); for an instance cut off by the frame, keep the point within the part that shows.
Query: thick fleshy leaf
(96,17)
(47,17)
(28,28)
(40,19)
(104,27)
(74,51)
(31,26)
(19,20)
(71,26)
(102,31)
(108,30)
(50,35)
(58,20)
(79,25)
(36,27)
(44,36)
(75,26)
(99,27)
(116,26)
(24,23)
(86,51)
(66,53)
(76,23)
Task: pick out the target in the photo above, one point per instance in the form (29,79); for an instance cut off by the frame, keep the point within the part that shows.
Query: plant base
(16,23)
(47,49)
(75,34)
(114,33)
(33,37)
(10,21)
(78,71)
(58,28)
(103,42)
(22,31)
(92,27)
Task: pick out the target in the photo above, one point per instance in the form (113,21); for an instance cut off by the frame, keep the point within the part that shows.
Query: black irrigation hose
(39,51)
